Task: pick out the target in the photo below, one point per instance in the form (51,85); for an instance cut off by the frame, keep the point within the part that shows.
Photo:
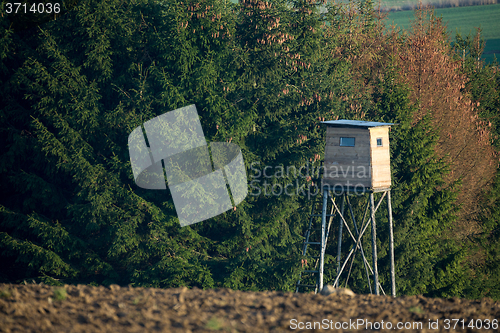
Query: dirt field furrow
(81,308)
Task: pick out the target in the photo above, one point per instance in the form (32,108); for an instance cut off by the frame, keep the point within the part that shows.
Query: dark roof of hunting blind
(354,123)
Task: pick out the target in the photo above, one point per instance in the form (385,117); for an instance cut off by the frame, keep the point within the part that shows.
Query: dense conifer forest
(262,75)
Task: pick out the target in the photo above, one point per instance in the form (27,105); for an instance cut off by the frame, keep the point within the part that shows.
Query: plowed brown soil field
(82,308)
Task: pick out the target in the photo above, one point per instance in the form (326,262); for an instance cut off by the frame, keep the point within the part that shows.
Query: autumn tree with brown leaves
(427,65)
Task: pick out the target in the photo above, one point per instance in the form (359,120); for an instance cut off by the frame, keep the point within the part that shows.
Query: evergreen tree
(426,261)
(68,214)
(262,75)
(105,68)
(483,87)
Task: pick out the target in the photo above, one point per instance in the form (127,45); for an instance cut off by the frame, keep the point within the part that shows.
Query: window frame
(345,144)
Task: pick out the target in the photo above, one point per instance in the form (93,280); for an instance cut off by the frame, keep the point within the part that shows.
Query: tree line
(262,75)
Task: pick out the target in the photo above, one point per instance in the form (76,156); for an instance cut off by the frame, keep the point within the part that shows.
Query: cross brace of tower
(355,233)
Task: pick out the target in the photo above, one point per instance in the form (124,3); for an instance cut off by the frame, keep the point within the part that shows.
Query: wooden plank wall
(347,166)
(365,164)
(380,157)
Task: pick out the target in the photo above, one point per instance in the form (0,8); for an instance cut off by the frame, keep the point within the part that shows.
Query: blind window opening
(347,142)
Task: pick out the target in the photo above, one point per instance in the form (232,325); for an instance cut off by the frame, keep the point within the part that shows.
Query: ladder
(312,278)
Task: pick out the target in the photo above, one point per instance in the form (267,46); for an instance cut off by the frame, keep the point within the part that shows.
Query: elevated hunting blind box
(357,156)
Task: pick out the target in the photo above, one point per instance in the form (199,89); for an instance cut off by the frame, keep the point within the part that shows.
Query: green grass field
(458,19)
(464,20)
(410,4)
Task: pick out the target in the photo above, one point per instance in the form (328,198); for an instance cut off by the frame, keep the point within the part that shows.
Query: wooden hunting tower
(357,159)
(357,155)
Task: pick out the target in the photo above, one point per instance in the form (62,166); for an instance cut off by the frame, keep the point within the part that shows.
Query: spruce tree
(423,209)
(262,75)
(483,87)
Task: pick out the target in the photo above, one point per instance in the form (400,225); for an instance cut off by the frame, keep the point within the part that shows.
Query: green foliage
(215,324)
(488,243)
(262,75)
(100,71)
(416,309)
(5,293)
(484,89)
(60,294)
(484,79)
(427,262)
